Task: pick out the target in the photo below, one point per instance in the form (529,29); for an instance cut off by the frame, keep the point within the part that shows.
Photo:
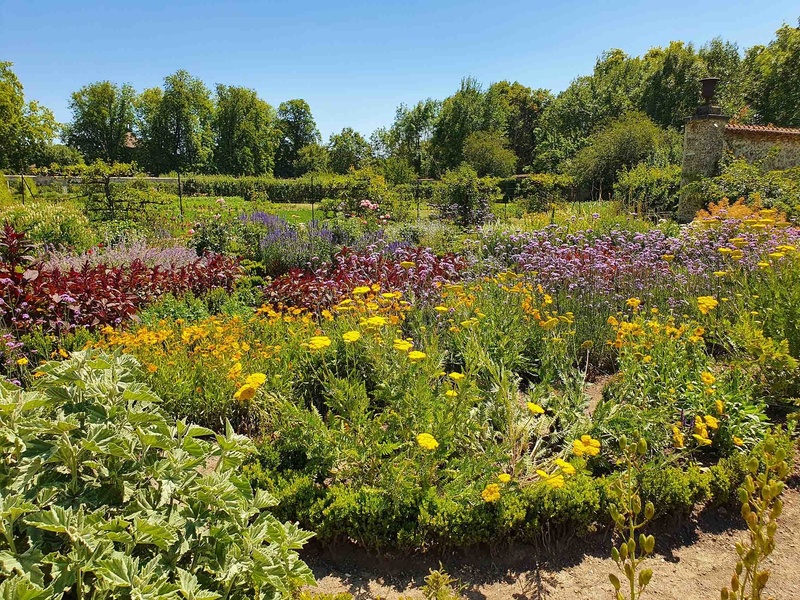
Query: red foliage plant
(57,301)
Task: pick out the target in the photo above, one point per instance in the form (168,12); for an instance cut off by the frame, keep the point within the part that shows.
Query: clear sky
(354,62)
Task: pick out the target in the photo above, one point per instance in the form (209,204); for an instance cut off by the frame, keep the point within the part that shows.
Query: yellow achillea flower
(491,493)
(416,355)
(708,378)
(256,379)
(535,408)
(407,264)
(566,468)
(633,303)
(427,441)
(351,336)
(361,289)
(668,257)
(402,345)
(678,438)
(451,394)
(318,342)
(711,422)
(504,478)
(706,304)
(456,376)
(22,361)
(720,406)
(375,321)
(556,480)
(235,371)
(441,309)
(246,392)
(586,445)
(737,441)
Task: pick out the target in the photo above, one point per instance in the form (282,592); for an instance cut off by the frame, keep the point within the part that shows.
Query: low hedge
(382,519)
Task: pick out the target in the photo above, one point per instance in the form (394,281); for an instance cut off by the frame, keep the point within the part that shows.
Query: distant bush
(646,188)
(64,226)
(539,191)
(465,198)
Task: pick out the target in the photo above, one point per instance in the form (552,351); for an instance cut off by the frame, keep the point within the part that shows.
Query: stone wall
(775,148)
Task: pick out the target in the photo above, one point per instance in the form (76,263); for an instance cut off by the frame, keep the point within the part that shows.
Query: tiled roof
(762,129)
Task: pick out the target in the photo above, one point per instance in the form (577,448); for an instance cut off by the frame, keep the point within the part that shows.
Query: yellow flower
(256,379)
(535,408)
(491,493)
(566,468)
(407,264)
(416,355)
(737,441)
(720,406)
(711,422)
(456,376)
(587,344)
(351,336)
(22,361)
(612,321)
(720,273)
(677,437)
(63,353)
(362,289)
(246,392)
(586,445)
(504,478)
(441,309)
(427,441)
(708,378)
(703,441)
(235,371)
(633,303)
(451,394)
(402,345)
(318,342)
(776,255)
(668,257)
(554,481)
(763,264)
(375,321)
(706,304)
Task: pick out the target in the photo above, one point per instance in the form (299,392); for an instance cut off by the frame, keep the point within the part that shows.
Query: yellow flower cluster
(427,441)
(250,387)
(705,304)
(586,445)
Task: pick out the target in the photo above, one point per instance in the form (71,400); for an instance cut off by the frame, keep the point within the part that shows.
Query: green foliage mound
(103,496)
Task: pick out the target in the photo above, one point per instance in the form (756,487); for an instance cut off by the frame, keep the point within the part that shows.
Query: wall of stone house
(703,146)
(777,150)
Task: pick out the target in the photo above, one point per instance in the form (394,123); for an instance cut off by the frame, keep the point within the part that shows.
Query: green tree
(409,137)
(245,137)
(622,144)
(175,124)
(722,59)
(347,149)
(296,130)
(775,69)
(102,118)
(462,114)
(522,109)
(312,158)
(58,154)
(488,153)
(587,104)
(671,88)
(25,128)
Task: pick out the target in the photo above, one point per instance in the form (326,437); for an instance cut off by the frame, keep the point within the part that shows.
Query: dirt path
(693,561)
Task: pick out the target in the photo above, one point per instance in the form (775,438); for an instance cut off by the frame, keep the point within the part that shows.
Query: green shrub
(539,191)
(128,499)
(57,227)
(646,188)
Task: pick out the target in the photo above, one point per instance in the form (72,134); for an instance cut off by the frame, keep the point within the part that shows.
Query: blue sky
(354,62)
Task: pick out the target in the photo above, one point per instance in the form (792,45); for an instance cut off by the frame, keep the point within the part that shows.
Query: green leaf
(190,588)
(119,570)
(152,532)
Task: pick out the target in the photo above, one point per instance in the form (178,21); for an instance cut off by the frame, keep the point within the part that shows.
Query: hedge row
(381,519)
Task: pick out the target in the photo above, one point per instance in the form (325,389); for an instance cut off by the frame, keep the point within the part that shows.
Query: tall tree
(25,128)
(102,117)
(775,91)
(410,134)
(462,114)
(722,59)
(347,149)
(671,90)
(522,108)
(296,130)
(245,137)
(175,124)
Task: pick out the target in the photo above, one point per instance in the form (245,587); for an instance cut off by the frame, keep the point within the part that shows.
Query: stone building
(708,136)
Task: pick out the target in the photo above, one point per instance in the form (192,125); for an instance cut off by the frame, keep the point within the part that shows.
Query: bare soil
(694,559)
